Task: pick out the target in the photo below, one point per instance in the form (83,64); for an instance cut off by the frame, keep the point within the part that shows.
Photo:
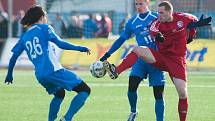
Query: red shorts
(175,65)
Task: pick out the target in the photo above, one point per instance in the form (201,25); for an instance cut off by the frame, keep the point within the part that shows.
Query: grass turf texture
(26,100)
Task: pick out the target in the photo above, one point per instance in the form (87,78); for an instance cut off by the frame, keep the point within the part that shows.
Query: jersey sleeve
(53,37)
(191,18)
(51,34)
(116,45)
(18,48)
(192,33)
(154,28)
(127,32)
(187,18)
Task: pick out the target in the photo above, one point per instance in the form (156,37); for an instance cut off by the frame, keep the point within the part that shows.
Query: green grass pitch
(26,100)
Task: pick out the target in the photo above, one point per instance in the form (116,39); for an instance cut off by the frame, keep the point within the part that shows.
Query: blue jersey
(38,43)
(139,27)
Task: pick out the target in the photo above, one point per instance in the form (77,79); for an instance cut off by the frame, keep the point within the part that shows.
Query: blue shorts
(144,70)
(61,79)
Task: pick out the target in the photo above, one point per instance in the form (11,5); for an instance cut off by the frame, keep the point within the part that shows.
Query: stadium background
(200,58)
(73,13)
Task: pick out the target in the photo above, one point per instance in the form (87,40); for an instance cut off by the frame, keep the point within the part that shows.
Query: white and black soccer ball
(97,69)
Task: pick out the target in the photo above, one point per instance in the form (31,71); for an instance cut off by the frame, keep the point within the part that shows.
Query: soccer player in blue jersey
(139,26)
(38,42)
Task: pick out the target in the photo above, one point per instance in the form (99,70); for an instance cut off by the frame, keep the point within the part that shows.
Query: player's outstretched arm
(116,45)
(125,35)
(191,35)
(12,62)
(53,37)
(68,46)
(17,51)
(201,22)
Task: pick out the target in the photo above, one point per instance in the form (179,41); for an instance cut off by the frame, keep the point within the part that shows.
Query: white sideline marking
(112,85)
(143,85)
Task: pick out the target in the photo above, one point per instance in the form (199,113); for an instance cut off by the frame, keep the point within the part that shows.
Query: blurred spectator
(3,25)
(1,7)
(17,27)
(59,25)
(109,23)
(2,41)
(105,26)
(154,5)
(74,30)
(89,27)
(205,32)
(2,29)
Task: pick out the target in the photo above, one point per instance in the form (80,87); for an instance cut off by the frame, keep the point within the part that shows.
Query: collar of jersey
(138,15)
(32,26)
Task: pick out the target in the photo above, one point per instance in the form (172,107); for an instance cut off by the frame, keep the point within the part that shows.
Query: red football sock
(128,62)
(182,109)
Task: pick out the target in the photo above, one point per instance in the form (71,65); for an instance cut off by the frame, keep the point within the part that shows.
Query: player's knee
(60,94)
(158,92)
(182,93)
(82,87)
(134,82)
(137,50)
(141,51)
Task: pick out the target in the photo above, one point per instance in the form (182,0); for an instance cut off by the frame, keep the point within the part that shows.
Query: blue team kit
(139,25)
(37,42)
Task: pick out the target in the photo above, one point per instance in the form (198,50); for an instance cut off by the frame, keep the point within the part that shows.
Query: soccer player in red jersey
(172,31)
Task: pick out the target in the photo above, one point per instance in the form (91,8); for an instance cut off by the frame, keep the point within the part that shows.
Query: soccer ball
(97,69)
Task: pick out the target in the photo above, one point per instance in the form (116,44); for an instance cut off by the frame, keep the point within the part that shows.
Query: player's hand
(8,79)
(159,37)
(84,49)
(202,22)
(105,57)
(88,52)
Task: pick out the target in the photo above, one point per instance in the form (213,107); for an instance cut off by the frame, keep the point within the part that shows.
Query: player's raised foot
(111,69)
(132,116)
(62,119)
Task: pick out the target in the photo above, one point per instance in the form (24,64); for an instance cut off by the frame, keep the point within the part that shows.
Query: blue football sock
(54,108)
(77,102)
(132,97)
(159,109)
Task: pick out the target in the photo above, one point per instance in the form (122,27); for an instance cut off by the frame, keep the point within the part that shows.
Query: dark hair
(33,15)
(90,15)
(167,5)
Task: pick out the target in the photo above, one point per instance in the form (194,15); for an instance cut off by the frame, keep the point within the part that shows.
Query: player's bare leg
(144,53)
(181,87)
(141,51)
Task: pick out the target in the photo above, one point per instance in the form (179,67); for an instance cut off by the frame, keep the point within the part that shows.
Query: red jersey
(175,33)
